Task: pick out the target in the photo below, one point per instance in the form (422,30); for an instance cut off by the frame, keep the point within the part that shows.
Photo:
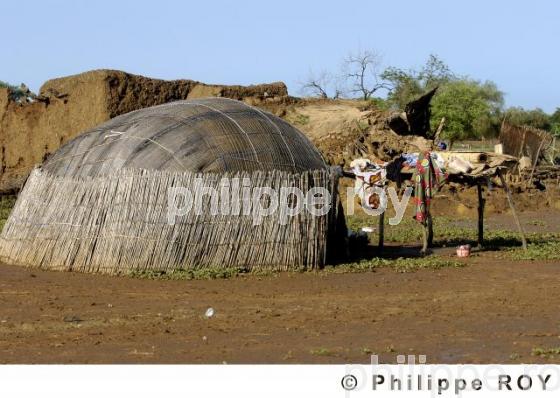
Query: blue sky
(514,43)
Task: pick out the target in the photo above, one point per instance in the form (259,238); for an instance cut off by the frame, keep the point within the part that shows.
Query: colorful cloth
(376,177)
(428,179)
(410,158)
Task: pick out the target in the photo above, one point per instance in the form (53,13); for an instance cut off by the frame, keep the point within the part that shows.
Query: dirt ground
(491,311)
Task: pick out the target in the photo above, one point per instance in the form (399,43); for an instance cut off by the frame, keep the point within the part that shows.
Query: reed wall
(118,223)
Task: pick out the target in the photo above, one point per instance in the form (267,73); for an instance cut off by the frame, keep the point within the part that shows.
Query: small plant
(323,352)
(6,205)
(390,348)
(288,356)
(545,352)
(301,119)
(367,351)
(538,223)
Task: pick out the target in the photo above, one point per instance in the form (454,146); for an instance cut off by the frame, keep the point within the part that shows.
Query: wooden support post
(424,249)
(535,161)
(553,151)
(439,130)
(481,203)
(522,147)
(381,230)
(511,205)
(430,228)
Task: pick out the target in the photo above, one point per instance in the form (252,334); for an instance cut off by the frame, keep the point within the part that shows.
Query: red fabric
(428,179)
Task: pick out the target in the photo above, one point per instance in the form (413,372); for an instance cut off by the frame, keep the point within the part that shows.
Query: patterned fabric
(428,179)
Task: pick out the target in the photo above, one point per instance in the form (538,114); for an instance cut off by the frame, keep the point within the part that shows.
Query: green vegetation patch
(300,119)
(399,264)
(6,205)
(448,233)
(548,250)
(322,352)
(183,274)
(549,353)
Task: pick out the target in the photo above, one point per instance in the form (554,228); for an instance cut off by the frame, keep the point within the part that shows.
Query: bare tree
(362,71)
(316,85)
(339,86)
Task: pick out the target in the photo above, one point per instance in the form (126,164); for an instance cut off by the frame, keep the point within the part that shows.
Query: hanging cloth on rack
(428,179)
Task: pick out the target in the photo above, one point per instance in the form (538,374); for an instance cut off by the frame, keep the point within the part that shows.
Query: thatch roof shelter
(99,203)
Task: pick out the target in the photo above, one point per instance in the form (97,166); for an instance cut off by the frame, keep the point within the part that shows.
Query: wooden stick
(381,231)
(424,249)
(439,129)
(430,229)
(481,203)
(511,205)
(535,161)
(522,147)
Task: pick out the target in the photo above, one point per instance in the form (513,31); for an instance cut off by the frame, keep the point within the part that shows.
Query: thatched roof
(206,135)
(101,202)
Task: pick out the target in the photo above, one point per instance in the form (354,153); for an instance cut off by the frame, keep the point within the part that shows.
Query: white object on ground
(209,313)
(525,162)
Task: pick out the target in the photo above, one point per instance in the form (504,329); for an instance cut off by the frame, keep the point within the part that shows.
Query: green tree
(406,85)
(471,109)
(535,117)
(555,122)
(435,73)
(555,117)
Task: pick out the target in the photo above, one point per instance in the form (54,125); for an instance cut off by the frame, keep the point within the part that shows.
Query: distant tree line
(472,109)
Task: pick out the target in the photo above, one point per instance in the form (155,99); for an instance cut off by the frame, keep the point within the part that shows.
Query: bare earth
(491,311)
(488,312)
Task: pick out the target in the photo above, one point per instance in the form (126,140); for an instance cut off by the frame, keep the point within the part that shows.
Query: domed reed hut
(101,203)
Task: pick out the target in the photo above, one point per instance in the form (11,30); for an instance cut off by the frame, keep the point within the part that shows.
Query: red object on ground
(464,251)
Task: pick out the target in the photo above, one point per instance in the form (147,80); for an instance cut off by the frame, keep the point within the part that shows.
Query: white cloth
(368,177)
